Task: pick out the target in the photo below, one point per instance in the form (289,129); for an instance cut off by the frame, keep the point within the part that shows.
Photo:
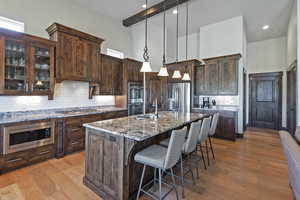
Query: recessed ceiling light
(175,12)
(265,27)
(144,6)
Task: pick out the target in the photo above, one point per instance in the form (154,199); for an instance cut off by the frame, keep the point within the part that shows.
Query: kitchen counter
(220,108)
(139,130)
(14,117)
(110,169)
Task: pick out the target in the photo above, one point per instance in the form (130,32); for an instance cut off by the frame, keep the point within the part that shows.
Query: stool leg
(141,183)
(211,147)
(160,191)
(182,178)
(207,153)
(174,184)
(154,180)
(202,155)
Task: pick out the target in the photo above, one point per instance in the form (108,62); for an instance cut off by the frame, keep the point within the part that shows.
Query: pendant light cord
(187,29)
(146,55)
(177,31)
(164,37)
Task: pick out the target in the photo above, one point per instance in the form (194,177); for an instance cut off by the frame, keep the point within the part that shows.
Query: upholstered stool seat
(153,156)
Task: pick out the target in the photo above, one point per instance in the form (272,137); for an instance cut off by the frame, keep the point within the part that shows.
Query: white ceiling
(202,12)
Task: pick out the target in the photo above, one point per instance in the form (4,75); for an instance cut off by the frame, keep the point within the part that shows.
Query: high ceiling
(257,13)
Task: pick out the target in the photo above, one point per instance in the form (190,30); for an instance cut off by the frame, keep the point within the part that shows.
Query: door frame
(245,99)
(273,75)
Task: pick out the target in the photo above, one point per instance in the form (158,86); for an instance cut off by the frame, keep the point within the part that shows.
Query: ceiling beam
(152,11)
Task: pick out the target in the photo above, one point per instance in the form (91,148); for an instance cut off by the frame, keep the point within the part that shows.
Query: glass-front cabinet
(26,64)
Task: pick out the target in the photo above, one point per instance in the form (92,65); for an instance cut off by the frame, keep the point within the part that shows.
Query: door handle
(44,152)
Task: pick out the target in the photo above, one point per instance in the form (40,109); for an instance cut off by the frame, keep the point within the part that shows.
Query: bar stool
(163,159)
(203,138)
(212,131)
(189,147)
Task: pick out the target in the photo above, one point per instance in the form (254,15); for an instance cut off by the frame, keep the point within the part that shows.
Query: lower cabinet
(20,159)
(73,133)
(227,123)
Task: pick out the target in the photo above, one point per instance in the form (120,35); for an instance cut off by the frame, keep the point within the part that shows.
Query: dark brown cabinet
(211,78)
(111,76)
(227,123)
(219,76)
(73,133)
(157,89)
(77,54)
(132,70)
(26,64)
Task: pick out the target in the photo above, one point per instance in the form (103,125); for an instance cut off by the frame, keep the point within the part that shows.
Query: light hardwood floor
(253,168)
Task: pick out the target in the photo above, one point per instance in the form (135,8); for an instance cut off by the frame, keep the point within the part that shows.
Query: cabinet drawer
(75,145)
(42,153)
(75,133)
(15,160)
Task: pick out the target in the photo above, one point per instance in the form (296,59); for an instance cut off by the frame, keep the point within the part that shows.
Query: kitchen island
(110,169)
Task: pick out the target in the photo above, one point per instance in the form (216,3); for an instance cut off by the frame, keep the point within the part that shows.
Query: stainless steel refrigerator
(179,97)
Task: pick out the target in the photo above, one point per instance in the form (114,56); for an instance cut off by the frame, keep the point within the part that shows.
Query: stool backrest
(214,124)
(192,140)
(175,147)
(204,131)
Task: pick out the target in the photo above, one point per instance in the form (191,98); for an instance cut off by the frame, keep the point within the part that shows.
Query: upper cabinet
(26,64)
(219,76)
(132,70)
(183,66)
(77,54)
(111,76)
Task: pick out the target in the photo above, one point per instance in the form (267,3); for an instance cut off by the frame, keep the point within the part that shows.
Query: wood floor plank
(252,168)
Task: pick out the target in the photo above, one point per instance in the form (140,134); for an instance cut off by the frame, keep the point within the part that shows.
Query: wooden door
(106,76)
(199,81)
(93,60)
(83,60)
(211,71)
(117,76)
(292,99)
(66,62)
(265,100)
(228,77)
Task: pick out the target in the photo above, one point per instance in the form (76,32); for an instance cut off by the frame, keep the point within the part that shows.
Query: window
(11,24)
(115,53)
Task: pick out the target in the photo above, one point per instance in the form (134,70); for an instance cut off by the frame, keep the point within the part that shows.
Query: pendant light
(186,75)
(163,70)
(177,74)
(146,64)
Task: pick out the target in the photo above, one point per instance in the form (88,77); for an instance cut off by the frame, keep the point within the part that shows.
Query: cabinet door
(117,77)
(42,68)
(228,77)
(83,60)
(14,66)
(93,60)
(133,72)
(106,76)
(199,81)
(211,78)
(66,62)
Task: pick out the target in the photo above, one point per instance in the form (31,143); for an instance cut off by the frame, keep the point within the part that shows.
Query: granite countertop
(22,116)
(139,130)
(220,108)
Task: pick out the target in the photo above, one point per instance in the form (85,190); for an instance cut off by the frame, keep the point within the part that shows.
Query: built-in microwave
(28,136)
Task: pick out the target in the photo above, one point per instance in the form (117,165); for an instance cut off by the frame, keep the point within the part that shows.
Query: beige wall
(37,16)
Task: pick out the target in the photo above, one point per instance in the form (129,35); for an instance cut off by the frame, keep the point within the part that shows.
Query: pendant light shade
(176,74)
(186,77)
(146,67)
(163,72)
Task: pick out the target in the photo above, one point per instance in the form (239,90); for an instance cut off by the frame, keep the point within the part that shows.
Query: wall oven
(28,136)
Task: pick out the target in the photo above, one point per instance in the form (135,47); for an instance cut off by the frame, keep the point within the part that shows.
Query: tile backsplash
(220,100)
(67,94)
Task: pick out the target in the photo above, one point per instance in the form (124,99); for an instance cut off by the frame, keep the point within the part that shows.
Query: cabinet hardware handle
(44,152)
(15,160)
(72,143)
(75,129)
(26,87)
